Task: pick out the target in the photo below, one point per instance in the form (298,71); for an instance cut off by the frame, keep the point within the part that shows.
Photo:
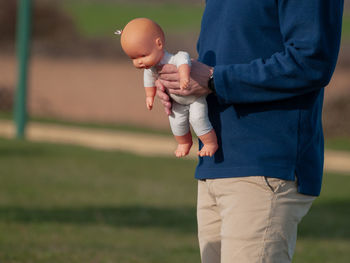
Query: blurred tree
(7,20)
(50,22)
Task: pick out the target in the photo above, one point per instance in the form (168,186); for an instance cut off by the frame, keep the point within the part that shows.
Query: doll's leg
(181,129)
(202,127)
(184,144)
(210,144)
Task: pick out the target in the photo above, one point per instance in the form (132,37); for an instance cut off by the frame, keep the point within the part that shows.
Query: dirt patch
(85,90)
(110,91)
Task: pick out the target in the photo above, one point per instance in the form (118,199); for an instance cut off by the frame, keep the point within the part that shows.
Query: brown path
(86,90)
(91,90)
(143,144)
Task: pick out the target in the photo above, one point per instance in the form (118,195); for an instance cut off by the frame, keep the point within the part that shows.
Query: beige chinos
(249,219)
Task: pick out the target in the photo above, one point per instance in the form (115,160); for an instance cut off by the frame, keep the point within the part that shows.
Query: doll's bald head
(141,31)
(142,37)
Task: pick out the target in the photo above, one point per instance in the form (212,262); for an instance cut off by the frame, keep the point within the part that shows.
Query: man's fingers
(167,107)
(161,94)
(166,104)
(164,97)
(184,92)
(167,111)
(159,85)
(170,84)
(166,69)
(169,76)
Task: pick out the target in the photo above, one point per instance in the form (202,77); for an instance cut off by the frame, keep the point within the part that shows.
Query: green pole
(23,43)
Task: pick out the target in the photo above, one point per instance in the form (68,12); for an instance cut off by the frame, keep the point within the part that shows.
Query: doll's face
(146,54)
(143,41)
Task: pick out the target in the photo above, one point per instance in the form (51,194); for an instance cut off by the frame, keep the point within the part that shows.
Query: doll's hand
(149,102)
(163,97)
(184,83)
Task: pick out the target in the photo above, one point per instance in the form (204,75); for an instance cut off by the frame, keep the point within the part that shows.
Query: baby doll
(143,41)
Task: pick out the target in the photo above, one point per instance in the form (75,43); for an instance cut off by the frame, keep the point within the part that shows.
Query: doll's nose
(137,62)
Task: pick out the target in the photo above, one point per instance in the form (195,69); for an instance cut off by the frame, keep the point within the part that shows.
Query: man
(265,64)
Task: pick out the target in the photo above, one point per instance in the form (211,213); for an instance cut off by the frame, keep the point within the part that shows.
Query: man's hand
(164,97)
(169,81)
(200,73)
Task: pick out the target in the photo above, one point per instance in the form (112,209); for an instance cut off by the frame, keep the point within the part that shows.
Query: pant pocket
(272,184)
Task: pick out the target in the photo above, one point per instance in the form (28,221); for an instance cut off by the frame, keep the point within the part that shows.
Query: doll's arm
(183,63)
(150,87)
(150,93)
(184,72)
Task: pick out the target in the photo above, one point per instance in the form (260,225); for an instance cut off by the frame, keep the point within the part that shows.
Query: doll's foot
(210,144)
(208,150)
(183,149)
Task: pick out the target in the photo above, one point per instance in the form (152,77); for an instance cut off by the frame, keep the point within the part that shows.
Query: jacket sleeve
(311,32)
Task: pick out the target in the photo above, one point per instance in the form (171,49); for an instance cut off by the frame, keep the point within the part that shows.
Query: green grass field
(95,19)
(332,143)
(100,19)
(338,143)
(346,26)
(62,203)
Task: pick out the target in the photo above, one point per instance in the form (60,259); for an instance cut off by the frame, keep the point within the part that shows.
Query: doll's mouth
(143,67)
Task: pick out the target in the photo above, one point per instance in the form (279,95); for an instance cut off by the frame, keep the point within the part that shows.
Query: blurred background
(78,71)
(64,203)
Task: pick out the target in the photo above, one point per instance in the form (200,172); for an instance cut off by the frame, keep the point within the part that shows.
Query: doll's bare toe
(208,150)
(182,150)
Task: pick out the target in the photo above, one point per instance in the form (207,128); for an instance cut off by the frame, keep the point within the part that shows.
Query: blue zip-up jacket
(272,60)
